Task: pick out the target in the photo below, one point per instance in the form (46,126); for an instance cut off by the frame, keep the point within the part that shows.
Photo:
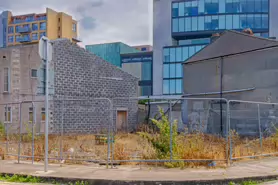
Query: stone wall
(82,75)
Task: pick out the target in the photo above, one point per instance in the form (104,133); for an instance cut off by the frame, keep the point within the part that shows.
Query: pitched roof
(231,42)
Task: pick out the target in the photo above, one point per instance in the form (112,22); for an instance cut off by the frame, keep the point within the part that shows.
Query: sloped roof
(231,42)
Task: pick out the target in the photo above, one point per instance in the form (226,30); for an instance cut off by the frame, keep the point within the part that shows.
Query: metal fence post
(227,132)
(260,128)
(20,130)
(33,136)
(6,129)
(62,133)
(230,133)
(171,131)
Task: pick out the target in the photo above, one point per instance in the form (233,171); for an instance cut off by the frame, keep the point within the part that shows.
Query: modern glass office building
(184,27)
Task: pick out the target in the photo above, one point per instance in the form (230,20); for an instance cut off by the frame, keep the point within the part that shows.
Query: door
(121,121)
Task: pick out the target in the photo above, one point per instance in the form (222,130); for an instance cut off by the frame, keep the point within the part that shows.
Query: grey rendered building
(239,66)
(77,75)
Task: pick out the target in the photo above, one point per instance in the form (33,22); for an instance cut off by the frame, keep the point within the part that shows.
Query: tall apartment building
(29,28)
(183,27)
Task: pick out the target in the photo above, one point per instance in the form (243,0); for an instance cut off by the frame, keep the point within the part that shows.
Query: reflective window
(175,25)
(264,21)
(257,21)
(35,27)
(172,86)
(181,25)
(166,55)
(146,71)
(191,51)
(187,24)
(178,70)
(178,54)
(194,24)
(250,5)
(222,6)
(34,36)
(201,7)
(222,22)
(258,6)
(184,53)
(243,22)
(17,29)
(166,71)
(236,24)
(43,26)
(172,70)
(265,5)
(10,29)
(201,23)
(229,22)
(181,9)
(175,10)
(17,38)
(172,54)
(179,86)
(214,23)
(42,34)
(166,88)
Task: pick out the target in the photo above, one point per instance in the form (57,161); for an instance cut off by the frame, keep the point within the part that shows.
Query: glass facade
(202,15)
(145,60)
(173,57)
(194,22)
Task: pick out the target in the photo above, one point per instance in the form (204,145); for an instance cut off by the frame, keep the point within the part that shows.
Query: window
(222,22)
(10,39)
(42,34)
(43,26)
(17,38)
(201,23)
(31,114)
(250,21)
(181,9)
(178,70)
(264,21)
(8,114)
(26,26)
(172,54)
(178,86)
(172,86)
(211,6)
(181,24)
(34,36)
(166,55)
(175,10)
(175,25)
(236,22)
(258,6)
(172,71)
(34,73)
(222,6)
(229,22)
(166,71)
(188,24)
(43,114)
(178,54)
(258,21)
(17,29)
(35,27)
(191,51)
(265,5)
(250,5)
(6,80)
(166,88)
(74,27)
(144,49)
(146,71)
(184,53)
(11,29)
(194,24)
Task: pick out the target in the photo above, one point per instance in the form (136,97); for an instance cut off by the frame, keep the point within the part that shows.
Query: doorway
(121,124)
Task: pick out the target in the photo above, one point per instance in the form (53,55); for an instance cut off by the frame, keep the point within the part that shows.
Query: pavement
(240,171)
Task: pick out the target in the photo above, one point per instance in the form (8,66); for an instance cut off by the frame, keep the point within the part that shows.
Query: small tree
(161,140)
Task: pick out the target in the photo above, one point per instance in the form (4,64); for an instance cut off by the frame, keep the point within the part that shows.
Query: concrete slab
(254,169)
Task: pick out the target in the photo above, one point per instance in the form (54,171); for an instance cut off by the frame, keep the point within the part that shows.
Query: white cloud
(100,21)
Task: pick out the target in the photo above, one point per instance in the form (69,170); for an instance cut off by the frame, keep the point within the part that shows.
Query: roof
(230,43)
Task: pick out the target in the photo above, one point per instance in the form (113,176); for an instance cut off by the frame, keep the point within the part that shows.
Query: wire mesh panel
(79,130)
(169,131)
(252,129)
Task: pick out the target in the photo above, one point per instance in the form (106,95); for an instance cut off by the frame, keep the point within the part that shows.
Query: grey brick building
(242,67)
(79,76)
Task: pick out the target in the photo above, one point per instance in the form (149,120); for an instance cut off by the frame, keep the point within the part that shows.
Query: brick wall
(82,75)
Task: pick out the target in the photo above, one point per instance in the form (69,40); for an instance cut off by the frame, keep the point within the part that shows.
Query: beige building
(19,79)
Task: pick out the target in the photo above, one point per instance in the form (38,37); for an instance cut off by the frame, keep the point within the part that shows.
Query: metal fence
(186,130)
(165,131)
(253,129)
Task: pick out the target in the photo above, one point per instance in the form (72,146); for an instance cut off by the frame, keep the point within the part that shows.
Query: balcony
(24,30)
(25,39)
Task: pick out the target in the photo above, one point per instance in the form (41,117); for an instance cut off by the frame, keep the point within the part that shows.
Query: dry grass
(133,147)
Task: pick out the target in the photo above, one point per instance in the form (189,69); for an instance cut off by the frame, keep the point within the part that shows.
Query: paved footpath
(258,169)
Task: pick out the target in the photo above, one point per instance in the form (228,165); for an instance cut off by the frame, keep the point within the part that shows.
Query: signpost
(45,52)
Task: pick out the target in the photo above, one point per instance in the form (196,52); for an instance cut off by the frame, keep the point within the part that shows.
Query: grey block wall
(82,75)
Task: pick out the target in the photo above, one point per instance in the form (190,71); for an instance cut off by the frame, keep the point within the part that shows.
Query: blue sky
(100,21)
